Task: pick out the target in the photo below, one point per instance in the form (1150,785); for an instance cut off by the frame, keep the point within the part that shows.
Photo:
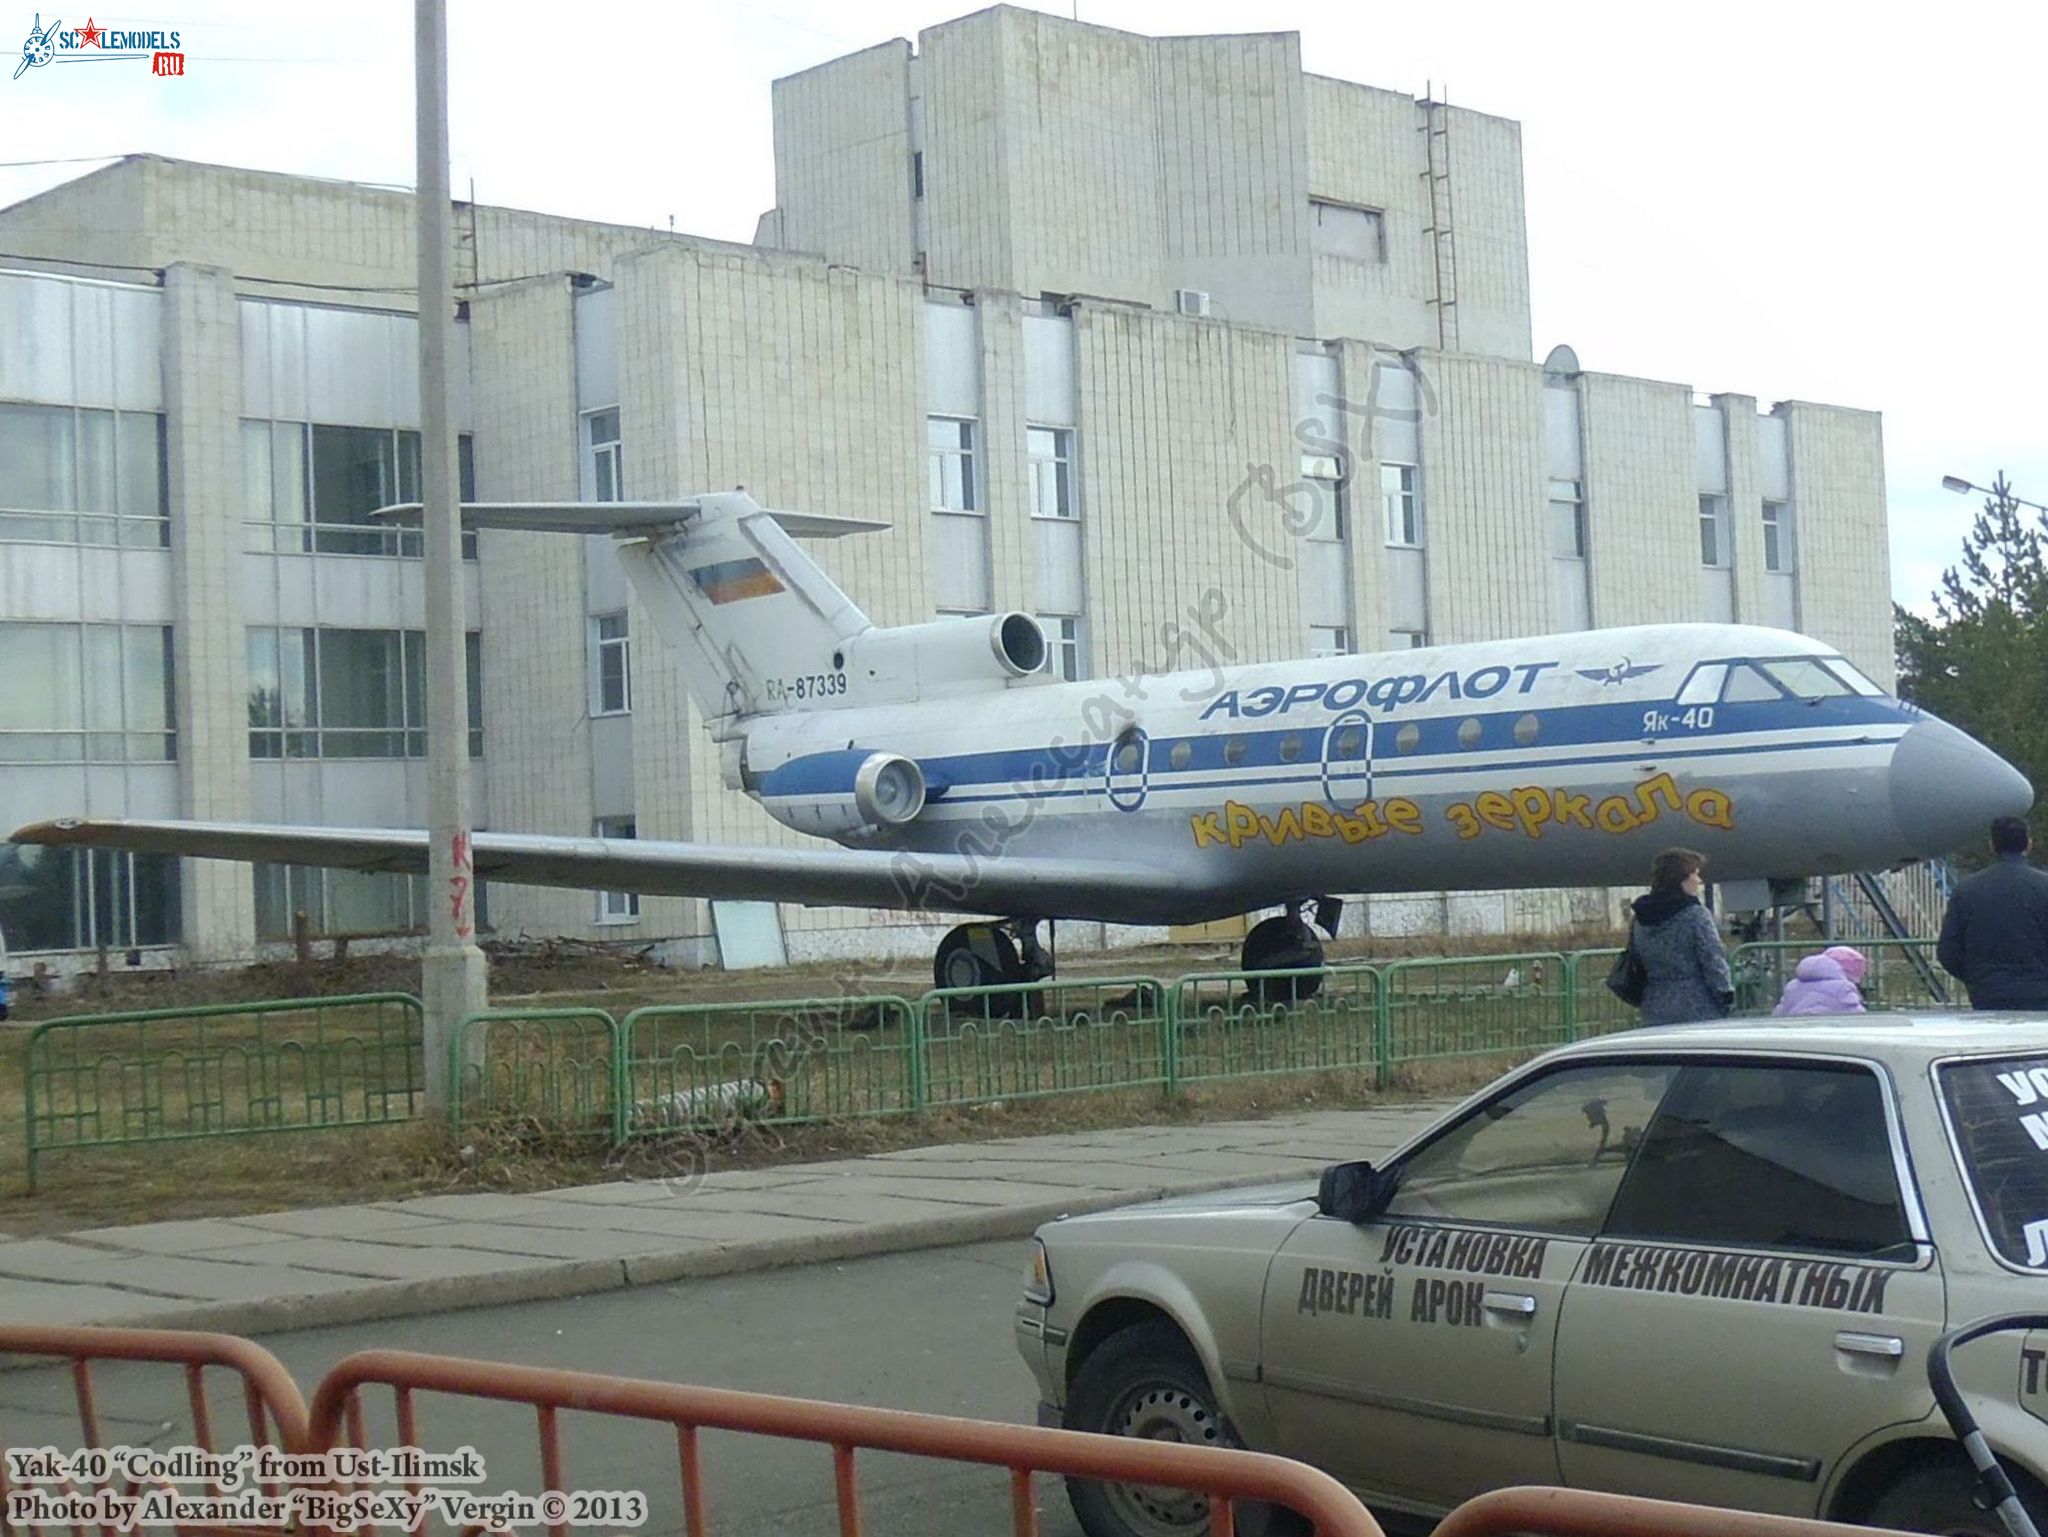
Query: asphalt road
(929,1331)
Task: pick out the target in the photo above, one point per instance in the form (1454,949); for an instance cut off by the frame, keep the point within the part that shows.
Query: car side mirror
(1356,1192)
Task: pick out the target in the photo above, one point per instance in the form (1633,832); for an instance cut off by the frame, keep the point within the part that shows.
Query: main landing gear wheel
(989,955)
(977,955)
(1285,943)
(1145,1381)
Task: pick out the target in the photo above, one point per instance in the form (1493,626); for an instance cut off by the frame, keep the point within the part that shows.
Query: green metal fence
(983,1044)
(1897,973)
(1223,1029)
(305,1064)
(1595,1009)
(559,1067)
(109,1080)
(1476,1006)
(699,1066)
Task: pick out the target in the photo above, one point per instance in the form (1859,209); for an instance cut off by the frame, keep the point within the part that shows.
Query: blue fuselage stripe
(1296,752)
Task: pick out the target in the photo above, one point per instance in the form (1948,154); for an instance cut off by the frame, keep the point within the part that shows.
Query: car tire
(1146,1380)
(1935,1496)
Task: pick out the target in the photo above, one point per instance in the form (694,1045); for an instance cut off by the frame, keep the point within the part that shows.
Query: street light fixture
(2000,488)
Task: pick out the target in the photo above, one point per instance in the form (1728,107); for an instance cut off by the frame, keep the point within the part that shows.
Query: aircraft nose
(1946,788)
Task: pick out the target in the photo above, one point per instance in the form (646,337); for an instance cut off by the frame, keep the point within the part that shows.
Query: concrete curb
(550,1279)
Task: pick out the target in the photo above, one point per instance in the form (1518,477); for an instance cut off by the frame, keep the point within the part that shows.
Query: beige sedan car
(1701,1263)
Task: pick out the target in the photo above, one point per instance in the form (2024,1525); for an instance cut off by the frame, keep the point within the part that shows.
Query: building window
(80,899)
(1403,504)
(1328,640)
(1567,520)
(1052,472)
(87,693)
(75,476)
(1324,476)
(335,693)
(1344,229)
(605,456)
(617,906)
(309,488)
(614,669)
(1714,550)
(1777,536)
(1063,657)
(358,903)
(952,464)
(1407,640)
(917,173)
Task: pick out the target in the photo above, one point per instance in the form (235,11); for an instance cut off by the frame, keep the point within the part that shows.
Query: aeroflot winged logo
(93,43)
(1619,673)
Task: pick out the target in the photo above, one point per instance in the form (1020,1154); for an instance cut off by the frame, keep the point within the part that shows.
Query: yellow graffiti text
(1530,810)
(1237,824)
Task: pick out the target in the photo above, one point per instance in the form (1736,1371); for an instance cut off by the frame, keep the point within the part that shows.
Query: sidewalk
(429,1254)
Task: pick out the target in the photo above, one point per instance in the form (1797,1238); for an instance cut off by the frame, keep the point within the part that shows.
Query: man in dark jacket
(1995,937)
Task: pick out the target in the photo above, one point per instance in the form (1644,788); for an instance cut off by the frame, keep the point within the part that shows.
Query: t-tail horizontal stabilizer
(722,582)
(625,520)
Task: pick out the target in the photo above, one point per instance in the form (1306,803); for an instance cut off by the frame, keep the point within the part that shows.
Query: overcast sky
(1789,200)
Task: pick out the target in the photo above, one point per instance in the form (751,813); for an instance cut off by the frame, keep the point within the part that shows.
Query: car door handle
(1889,1346)
(1509,1302)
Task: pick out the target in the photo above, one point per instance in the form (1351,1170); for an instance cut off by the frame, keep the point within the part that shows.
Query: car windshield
(1998,1113)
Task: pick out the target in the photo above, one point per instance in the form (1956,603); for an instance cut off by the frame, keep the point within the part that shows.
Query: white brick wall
(1642,510)
(1838,511)
(202,388)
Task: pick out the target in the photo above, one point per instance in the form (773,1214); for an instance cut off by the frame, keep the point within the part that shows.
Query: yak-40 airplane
(956,775)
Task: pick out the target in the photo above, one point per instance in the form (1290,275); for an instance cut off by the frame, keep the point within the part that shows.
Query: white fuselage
(1559,760)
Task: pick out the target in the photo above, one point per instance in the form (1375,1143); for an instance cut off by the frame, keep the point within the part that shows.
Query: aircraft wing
(816,877)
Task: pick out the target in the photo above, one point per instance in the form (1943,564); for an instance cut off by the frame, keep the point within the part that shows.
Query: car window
(1774,1155)
(1998,1113)
(1547,1155)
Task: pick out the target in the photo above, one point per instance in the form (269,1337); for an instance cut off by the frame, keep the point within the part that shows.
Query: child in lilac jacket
(1825,984)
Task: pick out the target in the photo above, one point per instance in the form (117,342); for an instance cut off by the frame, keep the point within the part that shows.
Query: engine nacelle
(843,794)
(918,661)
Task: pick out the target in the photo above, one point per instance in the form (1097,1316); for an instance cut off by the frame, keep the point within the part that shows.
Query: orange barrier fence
(277,1415)
(275,1411)
(1583,1513)
(1224,1477)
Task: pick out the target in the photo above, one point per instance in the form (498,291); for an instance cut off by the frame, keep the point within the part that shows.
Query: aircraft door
(1347,759)
(1127,769)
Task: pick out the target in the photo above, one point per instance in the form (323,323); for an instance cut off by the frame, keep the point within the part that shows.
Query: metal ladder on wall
(1441,230)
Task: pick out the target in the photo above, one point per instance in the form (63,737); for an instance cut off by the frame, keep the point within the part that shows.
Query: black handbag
(1627,979)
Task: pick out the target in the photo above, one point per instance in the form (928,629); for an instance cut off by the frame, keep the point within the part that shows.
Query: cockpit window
(1746,685)
(1805,678)
(1856,681)
(1704,686)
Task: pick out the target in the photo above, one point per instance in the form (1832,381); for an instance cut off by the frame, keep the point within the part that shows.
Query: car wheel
(1934,1496)
(1145,1381)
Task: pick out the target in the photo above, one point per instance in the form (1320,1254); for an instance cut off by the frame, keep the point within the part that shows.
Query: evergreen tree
(1981,660)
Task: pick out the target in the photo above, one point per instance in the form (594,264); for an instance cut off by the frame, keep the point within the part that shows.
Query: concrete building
(1105,327)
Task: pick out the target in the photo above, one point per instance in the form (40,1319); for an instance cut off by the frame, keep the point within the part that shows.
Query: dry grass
(220,1176)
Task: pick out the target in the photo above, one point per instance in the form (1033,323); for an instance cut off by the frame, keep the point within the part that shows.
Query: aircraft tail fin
(722,581)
